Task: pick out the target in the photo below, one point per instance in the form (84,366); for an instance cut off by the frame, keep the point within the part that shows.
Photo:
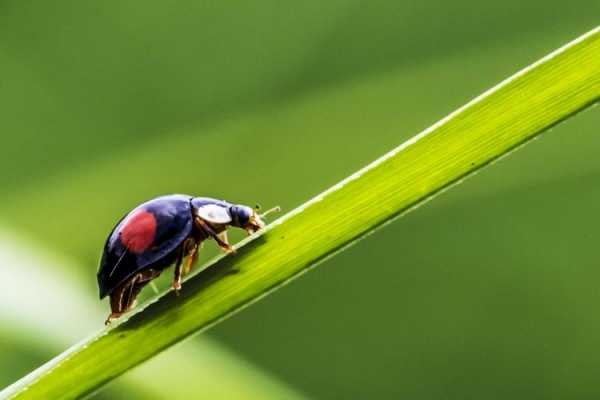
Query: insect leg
(148,275)
(192,258)
(177,279)
(210,232)
(223,237)
(123,298)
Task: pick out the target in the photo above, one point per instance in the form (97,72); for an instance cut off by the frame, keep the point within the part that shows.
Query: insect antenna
(269,211)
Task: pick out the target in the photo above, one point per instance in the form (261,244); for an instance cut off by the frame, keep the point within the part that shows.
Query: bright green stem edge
(503,118)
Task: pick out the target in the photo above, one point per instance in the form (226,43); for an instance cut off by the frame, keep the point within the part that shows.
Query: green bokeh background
(489,291)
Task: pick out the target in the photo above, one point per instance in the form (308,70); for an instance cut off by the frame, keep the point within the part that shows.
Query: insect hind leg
(124,297)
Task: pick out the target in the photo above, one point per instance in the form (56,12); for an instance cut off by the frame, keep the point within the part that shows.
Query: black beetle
(161,232)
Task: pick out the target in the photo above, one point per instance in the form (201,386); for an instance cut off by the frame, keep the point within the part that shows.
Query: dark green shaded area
(84,80)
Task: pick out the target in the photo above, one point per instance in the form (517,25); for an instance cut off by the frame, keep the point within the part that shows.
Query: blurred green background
(490,290)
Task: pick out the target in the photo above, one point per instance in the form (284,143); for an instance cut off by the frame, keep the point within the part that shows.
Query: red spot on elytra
(138,231)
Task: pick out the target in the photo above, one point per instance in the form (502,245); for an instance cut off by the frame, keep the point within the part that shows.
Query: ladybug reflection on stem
(164,231)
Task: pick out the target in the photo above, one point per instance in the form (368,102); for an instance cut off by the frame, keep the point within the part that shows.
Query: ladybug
(161,232)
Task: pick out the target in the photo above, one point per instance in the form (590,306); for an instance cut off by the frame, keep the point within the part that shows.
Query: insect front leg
(210,232)
(224,242)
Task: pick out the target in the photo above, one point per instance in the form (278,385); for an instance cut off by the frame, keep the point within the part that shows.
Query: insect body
(161,232)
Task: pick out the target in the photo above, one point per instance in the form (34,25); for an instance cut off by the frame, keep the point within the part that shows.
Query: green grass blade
(518,109)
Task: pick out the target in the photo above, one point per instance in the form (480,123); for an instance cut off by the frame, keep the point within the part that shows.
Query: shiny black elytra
(161,232)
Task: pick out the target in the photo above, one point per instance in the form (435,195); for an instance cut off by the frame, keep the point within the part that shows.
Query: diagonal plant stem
(508,115)
(207,363)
